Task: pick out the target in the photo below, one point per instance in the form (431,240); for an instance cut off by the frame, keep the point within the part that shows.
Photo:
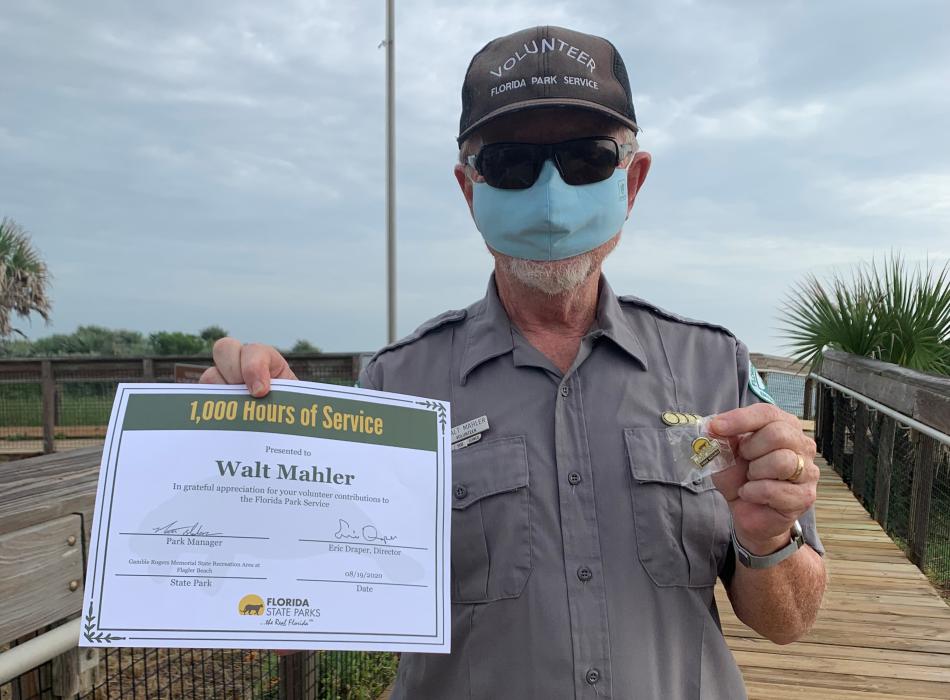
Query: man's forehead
(547,125)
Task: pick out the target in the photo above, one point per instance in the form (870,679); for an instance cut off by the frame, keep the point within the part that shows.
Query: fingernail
(258,388)
(717,425)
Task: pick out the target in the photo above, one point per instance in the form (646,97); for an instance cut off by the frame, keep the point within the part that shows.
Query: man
(581,566)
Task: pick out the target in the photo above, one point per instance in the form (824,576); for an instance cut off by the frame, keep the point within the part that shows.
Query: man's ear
(636,175)
(466,184)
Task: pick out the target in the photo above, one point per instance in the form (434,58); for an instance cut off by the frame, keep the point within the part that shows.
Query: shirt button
(574,478)
(593,676)
(565,391)
(585,574)
(460,491)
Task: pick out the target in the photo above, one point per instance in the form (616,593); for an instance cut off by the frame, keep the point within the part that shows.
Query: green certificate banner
(287,413)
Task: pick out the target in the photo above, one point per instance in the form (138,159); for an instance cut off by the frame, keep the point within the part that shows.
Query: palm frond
(891,312)
(24,278)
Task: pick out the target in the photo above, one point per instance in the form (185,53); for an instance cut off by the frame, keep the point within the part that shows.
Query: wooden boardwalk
(883,631)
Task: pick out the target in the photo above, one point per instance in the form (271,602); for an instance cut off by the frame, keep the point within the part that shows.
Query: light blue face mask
(551,220)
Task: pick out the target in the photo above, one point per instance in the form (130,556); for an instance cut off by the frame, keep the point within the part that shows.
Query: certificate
(314,518)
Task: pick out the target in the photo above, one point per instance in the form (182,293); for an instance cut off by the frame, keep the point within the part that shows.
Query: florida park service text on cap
(545,67)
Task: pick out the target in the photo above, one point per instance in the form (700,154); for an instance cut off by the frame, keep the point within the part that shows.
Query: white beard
(553,278)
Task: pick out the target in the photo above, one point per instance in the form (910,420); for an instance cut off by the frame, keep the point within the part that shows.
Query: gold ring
(798,470)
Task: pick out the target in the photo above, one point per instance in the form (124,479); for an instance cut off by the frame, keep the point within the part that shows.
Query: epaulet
(426,328)
(670,316)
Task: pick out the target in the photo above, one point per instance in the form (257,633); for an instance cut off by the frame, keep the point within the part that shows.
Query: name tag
(472,427)
(466,442)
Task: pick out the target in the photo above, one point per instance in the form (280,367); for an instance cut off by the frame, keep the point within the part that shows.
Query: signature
(193,530)
(368,533)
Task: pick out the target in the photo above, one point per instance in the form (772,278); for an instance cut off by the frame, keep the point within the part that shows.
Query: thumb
(261,363)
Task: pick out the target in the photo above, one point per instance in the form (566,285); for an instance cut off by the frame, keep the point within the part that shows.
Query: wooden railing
(71,396)
(886,430)
(46,506)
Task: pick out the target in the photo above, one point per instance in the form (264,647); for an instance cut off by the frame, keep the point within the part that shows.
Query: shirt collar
(490,330)
(614,324)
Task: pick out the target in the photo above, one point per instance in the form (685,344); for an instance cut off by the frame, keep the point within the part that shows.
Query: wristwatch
(752,561)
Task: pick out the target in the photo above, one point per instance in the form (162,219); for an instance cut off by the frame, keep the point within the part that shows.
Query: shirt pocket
(491,527)
(682,531)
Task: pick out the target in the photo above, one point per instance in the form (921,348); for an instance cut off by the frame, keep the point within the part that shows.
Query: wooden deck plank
(851,667)
(883,632)
(854,653)
(770,691)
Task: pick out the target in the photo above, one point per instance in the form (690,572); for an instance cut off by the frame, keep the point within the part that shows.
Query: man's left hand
(767,443)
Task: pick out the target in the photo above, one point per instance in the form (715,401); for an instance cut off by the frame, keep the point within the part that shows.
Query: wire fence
(211,674)
(900,475)
(59,404)
(21,408)
(788,390)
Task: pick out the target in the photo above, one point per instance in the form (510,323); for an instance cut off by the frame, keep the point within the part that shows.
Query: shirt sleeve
(368,378)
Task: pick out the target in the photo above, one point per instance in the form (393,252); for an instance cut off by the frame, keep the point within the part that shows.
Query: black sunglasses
(516,166)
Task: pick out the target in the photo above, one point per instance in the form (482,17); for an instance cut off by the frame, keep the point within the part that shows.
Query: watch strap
(754,561)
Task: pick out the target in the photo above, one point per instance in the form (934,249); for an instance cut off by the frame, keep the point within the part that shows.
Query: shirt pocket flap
(488,468)
(652,460)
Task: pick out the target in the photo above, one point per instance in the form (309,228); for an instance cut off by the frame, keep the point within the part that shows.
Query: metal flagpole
(390,174)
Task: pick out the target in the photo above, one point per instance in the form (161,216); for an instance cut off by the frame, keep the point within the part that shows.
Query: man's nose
(548,171)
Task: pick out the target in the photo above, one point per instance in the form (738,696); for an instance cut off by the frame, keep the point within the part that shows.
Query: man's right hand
(253,364)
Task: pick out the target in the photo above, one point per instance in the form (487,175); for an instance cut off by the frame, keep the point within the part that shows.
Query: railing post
(90,673)
(838,435)
(48,386)
(861,450)
(921,490)
(885,458)
(148,369)
(65,675)
(355,368)
(290,669)
(827,422)
(806,400)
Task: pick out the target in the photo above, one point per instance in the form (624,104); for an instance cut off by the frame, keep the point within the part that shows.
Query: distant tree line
(97,341)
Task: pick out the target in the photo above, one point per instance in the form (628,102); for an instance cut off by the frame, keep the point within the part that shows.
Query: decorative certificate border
(94,634)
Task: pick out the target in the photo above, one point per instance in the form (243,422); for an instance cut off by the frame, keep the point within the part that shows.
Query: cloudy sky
(181,164)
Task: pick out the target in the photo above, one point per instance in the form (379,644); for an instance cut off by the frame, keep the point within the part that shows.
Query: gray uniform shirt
(581,568)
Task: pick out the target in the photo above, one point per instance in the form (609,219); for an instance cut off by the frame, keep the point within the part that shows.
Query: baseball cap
(545,67)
